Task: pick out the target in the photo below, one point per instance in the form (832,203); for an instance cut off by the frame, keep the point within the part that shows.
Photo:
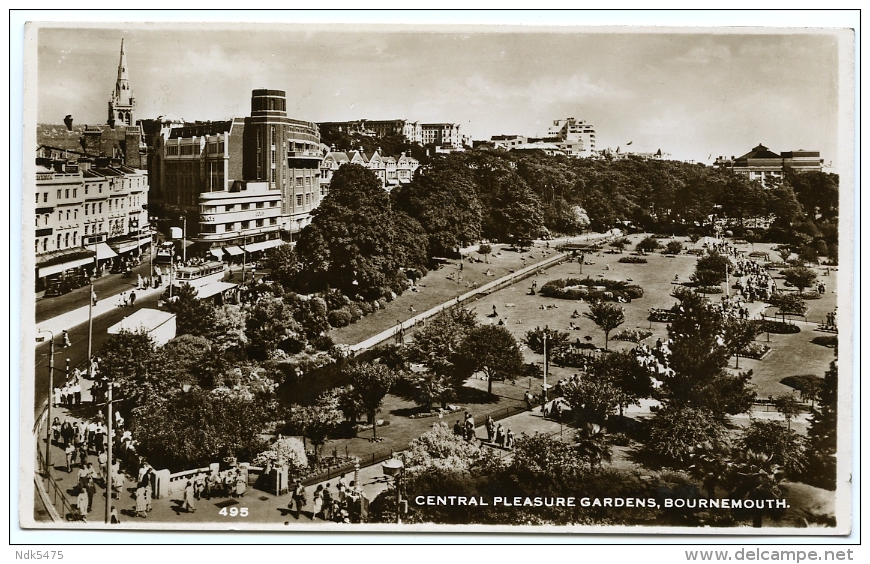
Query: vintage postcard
(437,278)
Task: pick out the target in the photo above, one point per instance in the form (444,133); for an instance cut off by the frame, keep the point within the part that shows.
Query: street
(78,335)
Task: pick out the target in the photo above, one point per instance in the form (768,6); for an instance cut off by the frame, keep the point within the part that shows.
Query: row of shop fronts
(58,272)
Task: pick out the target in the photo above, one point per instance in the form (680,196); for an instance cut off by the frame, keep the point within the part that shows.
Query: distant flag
(629,143)
(708,156)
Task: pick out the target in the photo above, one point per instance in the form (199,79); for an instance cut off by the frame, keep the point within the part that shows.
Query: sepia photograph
(437,278)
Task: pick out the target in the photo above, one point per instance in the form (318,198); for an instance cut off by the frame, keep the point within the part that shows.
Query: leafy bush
(322,342)
(288,451)
(355,311)
(674,248)
(366,307)
(633,260)
(632,335)
(811,295)
(555,339)
(648,245)
(826,341)
(675,431)
(776,327)
(339,317)
(709,289)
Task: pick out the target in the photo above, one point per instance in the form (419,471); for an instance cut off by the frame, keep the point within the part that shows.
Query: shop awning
(104,251)
(217,253)
(254,247)
(233,250)
(63,266)
(212,289)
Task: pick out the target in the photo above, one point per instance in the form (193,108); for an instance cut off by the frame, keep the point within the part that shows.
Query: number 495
(234,512)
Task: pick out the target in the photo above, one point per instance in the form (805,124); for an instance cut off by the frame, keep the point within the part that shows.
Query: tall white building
(575,137)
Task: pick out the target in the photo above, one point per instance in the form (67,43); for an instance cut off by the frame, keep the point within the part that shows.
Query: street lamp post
(184,239)
(395,468)
(109,478)
(91,311)
(50,402)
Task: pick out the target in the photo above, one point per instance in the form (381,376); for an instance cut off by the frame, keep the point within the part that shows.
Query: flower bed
(777,327)
(632,335)
(633,260)
(830,341)
(589,289)
(574,357)
(450,409)
(755,351)
(709,289)
(661,315)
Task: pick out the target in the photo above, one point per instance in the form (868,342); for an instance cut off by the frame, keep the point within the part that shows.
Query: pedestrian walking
(327,503)
(490,428)
(82,503)
(93,298)
(188,504)
(141,509)
(91,489)
(132,299)
(299,498)
(77,393)
(55,430)
(318,502)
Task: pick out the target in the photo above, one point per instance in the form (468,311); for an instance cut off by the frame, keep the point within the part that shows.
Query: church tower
(122,103)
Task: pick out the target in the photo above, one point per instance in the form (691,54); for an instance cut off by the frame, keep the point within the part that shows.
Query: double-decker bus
(165,252)
(199,275)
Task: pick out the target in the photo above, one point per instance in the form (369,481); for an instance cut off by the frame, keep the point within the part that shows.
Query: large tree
(132,361)
(607,316)
(822,433)
(438,343)
(198,428)
(283,264)
(192,315)
(270,325)
(699,355)
(349,243)
(317,422)
(800,277)
(371,384)
(491,349)
(625,373)
(444,200)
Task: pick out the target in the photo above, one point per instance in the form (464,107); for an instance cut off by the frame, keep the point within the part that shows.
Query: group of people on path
(341,505)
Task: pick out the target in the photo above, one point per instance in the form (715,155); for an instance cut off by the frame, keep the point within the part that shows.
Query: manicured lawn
(435,288)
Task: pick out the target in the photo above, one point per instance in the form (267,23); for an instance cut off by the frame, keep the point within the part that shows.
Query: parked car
(58,287)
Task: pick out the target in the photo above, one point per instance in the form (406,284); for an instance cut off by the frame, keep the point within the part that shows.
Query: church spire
(122,65)
(122,104)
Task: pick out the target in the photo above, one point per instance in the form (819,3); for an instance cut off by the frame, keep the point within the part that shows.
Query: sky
(695,94)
